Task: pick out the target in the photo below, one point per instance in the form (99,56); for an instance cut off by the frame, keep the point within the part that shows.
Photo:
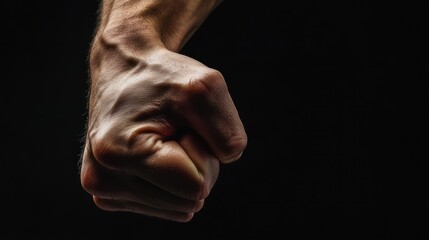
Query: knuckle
(188,183)
(194,188)
(235,146)
(120,151)
(200,189)
(204,186)
(198,205)
(204,190)
(192,206)
(92,182)
(107,153)
(207,83)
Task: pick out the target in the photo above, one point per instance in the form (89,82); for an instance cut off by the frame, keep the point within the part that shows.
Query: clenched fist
(158,128)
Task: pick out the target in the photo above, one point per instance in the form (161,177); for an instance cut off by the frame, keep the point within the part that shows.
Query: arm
(163,23)
(159,122)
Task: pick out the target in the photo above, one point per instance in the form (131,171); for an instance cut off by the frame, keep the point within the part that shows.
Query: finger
(206,163)
(110,184)
(163,163)
(211,112)
(169,168)
(127,206)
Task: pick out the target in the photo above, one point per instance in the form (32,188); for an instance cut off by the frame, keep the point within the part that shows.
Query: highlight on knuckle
(93,183)
(206,83)
(107,153)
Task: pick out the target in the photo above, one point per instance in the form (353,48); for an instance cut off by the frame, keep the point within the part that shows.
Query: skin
(159,123)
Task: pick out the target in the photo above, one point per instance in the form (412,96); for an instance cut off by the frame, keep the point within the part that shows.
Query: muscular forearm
(141,24)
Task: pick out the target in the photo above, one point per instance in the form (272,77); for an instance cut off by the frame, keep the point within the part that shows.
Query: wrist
(164,23)
(132,37)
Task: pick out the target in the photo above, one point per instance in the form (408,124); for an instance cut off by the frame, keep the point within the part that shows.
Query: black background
(333,95)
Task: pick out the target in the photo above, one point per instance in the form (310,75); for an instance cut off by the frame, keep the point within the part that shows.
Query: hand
(158,128)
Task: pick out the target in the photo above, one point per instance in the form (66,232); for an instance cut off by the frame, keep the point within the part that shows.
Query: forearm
(142,24)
